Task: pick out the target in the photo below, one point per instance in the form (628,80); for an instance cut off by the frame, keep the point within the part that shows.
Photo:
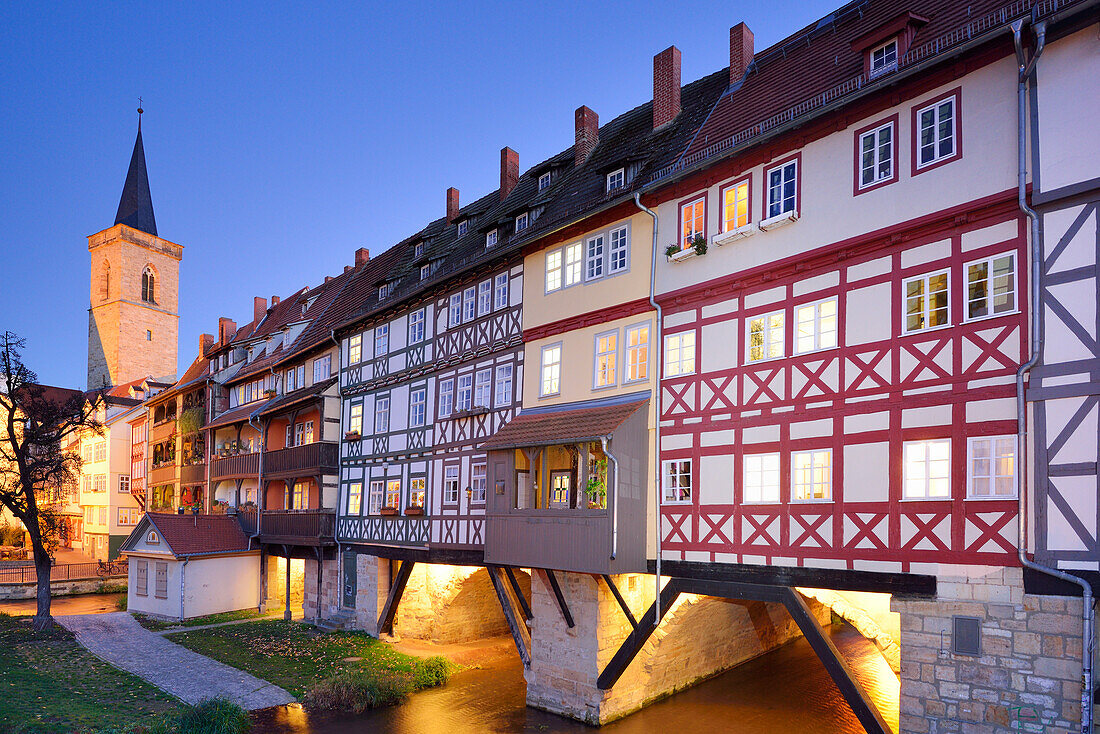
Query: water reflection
(784,691)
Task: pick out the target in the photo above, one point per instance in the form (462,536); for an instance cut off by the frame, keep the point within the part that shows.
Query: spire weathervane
(140,111)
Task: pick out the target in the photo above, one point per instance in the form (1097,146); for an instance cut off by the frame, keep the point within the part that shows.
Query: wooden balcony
(163,475)
(232,467)
(193,474)
(162,431)
(307,460)
(298,527)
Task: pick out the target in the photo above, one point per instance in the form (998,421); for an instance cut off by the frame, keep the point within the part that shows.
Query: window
(355,352)
(469,304)
(381,415)
(484,297)
(483,389)
(303,433)
(521,222)
(393,493)
(477,484)
(100,451)
(161,591)
(100,485)
(417,491)
(680,354)
(322,368)
(490,238)
(500,289)
(124,484)
(593,258)
(355,498)
(735,205)
(446,397)
(936,129)
(355,424)
(128,515)
(991,463)
(637,353)
(418,249)
(291,384)
(418,399)
(465,392)
(504,385)
(148,286)
(382,340)
(148,335)
(86,453)
(676,480)
(299,496)
(927,469)
(383,291)
(544,180)
(553,270)
(616,179)
(619,250)
(761,479)
(884,58)
(425,271)
(455,311)
(815,326)
(926,302)
(463,227)
(782,188)
(991,286)
(301,372)
(450,485)
(573,264)
(693,217)
(142,578)
(876,156)
(766,337)
(416,326)
(812,475)
(374,498)
(607,359)
(551,370)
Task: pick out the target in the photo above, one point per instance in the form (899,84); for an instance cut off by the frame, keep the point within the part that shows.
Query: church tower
(133,319)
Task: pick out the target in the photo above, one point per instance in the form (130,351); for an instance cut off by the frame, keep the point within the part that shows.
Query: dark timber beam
(520,633)
(562,605)
(622,602)
(397,588)
(634,641)
(835,664)
(519,593)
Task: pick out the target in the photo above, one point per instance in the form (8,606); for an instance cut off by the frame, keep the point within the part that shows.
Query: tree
(38,451)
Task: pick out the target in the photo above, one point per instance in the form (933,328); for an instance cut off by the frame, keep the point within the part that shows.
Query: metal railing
(63,572)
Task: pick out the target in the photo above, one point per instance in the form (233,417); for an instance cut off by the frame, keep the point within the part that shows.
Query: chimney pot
(509,171)
(666,86)
(452,204)
(741,51)
(587,134)
(362,255)
(259,309)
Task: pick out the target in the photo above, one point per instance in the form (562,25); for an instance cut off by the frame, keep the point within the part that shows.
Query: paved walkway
(122,642)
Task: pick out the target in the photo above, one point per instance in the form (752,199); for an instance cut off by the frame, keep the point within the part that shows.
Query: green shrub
(214,716)
(120,603)
(434,671)
(358,691)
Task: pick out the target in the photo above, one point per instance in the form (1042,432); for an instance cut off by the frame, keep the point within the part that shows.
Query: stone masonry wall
(330,589)
(1027,678)
(372,585)
(448,604)
(274,570)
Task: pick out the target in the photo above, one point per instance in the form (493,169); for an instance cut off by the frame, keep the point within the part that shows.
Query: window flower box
(352,436)
(778,221)
(388,512)
(724,238)
(414,511)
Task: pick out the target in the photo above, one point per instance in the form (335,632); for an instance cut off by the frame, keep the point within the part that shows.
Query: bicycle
(108,568)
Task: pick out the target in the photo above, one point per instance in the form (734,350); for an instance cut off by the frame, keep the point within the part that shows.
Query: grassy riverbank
(158,625)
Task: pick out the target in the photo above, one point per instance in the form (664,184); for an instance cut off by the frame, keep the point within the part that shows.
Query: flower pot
(594,505)
(388,511)
(352,436)
(414,510)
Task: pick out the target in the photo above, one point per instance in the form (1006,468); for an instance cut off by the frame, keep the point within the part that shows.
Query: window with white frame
(693,216)
(124,484)
(483,389)
(393,493)
(680,354)
(606,359)
(376,495)
(303,433)
(382,340)
(637,353)
(616,179)
(500,290)
(936,132)
(551,370)
(761,474)
(417,491)
(418,249)
(416,326)
(735,206)
(383,291)
(593,258)
(469,304)
(766,336)
(521,222)
(618,255)
(490,238)
(926,301)
(544,180)
(299,496)
(782,188)
(381,415)
(100,451)
(463,227)
(355,350)
(884,58)
(322,368)
(504,385)
(991,286)
(484,297)
(477,483)
(812,475)
(355,422)
(450,485)
(553,270)
(425,271)
(465,392)
(876,155)
(455,310)
(676,481)
(572,269)
(418,399)
(100,485)
(815,326)
(86,453)
(927,469)
(991,462)
(355,498)
(446,397)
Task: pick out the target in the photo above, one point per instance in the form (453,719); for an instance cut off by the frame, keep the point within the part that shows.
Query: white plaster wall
(1068,75)
(220,584)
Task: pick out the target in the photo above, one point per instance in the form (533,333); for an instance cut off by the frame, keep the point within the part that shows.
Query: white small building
(184,566)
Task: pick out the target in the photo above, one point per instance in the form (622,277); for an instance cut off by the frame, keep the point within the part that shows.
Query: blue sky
(279,138)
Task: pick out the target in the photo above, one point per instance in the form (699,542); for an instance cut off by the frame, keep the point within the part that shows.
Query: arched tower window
(105,282)
(148,286)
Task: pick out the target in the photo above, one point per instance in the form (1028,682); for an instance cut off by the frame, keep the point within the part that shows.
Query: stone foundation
(449,604)
(330,589)
(1027,676)
(273,572)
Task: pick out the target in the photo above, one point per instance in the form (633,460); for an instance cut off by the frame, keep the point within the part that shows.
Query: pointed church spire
(135,208)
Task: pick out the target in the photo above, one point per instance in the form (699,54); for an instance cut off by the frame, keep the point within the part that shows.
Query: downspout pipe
(614,497)
(1025,68)
(657,331)
(339,472)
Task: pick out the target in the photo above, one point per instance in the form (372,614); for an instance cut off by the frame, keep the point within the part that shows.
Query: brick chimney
(666,86)
(741,51)
(226,329)
(452,204)
(259,309)
(587,134)
(362,255)
(347,268)
(275,301)
(328,278)
(206,343)
(509,171)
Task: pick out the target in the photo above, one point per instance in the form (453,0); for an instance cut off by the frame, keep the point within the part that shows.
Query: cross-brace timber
(622,602)
(520,633)
(562,605)
(519,593)
(397,588)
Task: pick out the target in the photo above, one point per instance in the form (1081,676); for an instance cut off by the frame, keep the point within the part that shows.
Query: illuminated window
(992,466)
(573,264)
(553,270)
(991,286)
(927,469)
(815,326)
(766,337)
(477,483)
(355,498)
(355,423)
(812,475)
(416,491)
(637,353)
(374,499)
(551,370)
(876,155)
(782,188)
(607,359)
(761,484)
(393,493)
(884,58)
(676,481)
(937,132)
(299,498)
(926,301)
(355,349)
(680,354)
(692,221)
(735,206)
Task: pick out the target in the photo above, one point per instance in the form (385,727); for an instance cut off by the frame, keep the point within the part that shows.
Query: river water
(784,692)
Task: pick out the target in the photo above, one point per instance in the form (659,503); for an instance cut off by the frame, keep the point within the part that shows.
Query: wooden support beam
(835,664)
(520,633)
(634,641)
(397,588)
(622,602)
(519,593)
(562,605)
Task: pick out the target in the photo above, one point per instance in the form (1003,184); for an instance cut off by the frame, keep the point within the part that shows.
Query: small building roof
(567,423)
(191,535)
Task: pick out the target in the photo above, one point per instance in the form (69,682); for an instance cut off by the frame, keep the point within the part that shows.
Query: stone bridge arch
(451,604)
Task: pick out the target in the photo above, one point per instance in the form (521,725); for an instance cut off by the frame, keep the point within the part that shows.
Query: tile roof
(238,414)
(568,423)
(296,397)
(189,535)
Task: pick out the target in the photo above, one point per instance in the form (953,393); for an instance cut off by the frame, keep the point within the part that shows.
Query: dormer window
(384,290)
(490,238)
(521,222)
(463,227)
(544,180)
(884,58)
(418,249)
(425,271)
(616,179)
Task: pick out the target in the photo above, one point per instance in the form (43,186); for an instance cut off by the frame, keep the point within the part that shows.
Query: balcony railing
(303,525)
(241,465)
(304,459)
(193,474)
